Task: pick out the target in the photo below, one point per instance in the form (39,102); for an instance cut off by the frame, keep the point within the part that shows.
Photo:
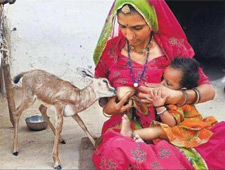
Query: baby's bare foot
(125,127)
(137,138)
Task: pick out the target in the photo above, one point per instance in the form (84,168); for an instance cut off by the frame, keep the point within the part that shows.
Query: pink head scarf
(168,32)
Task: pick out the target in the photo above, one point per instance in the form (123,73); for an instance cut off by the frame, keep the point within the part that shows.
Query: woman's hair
(189,67)
(126,9)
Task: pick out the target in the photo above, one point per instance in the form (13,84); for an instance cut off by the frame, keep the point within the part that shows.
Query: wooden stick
(6,68)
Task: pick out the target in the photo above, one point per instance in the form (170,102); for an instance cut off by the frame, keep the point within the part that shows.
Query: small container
(36,123)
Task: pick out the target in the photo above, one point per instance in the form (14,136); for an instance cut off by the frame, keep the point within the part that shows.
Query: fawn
(66,99)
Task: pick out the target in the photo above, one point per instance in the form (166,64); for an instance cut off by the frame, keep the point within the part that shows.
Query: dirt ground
(35,147)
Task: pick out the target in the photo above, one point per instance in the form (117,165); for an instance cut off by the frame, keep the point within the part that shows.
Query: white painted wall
(54,35)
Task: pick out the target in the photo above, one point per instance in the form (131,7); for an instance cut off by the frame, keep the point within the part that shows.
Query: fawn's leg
(43,111)
(27,101)
(58,130)
(80,122)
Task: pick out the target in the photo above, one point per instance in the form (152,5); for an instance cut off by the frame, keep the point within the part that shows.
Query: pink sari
(118,152)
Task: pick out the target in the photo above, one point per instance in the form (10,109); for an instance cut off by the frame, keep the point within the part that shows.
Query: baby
(183,125)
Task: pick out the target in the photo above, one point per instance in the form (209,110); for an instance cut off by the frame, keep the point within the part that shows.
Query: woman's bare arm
(112,107)
(206,90)
(176,96)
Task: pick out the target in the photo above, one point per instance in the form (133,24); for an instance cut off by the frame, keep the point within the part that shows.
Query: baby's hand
(156,97)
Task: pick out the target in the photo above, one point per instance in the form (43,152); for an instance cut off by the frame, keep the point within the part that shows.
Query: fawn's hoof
(63,142)
(15,153)
(58,167)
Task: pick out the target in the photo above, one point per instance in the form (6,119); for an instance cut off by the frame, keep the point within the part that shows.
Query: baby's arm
(166,117)
(159,104)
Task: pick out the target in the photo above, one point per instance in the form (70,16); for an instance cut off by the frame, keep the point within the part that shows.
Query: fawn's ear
(85,73)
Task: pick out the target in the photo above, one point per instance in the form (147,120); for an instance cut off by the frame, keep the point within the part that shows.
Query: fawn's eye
(105,81)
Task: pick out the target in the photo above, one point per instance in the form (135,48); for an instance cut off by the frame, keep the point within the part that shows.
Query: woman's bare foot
(137,138)
(125,127)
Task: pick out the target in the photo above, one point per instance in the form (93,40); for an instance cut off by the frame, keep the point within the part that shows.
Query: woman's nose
(130,35)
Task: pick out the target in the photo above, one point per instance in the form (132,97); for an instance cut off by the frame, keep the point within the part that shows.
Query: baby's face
(172,78)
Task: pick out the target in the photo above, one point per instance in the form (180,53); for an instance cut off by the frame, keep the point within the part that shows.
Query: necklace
(145,65)
(143,51)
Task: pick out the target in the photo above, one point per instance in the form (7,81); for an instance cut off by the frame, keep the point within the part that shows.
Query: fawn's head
(101,86)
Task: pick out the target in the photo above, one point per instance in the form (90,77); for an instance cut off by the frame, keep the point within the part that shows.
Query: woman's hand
(112,107)
(156,97)
(172,96)
(175,96)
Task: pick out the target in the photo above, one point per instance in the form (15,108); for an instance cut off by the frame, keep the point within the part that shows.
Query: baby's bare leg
(151,133)
(125,127)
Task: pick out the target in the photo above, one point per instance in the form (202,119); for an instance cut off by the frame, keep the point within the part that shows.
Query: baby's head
(181,73)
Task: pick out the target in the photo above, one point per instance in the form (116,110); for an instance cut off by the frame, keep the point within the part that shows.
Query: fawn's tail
(17,78)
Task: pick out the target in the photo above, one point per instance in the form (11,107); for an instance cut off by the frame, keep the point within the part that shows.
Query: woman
(182,126)
(148,39)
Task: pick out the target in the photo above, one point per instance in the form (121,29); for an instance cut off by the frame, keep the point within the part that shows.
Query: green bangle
(198,95)
(186,98)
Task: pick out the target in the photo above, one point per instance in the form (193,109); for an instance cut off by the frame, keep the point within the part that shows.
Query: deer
(61,96)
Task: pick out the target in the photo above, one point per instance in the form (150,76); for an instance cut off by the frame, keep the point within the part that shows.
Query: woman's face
(172,78)
(134,28)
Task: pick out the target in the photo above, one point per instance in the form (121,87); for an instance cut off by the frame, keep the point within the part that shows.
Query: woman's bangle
(108,116)
(198,95)
(161,112)
(185,100)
